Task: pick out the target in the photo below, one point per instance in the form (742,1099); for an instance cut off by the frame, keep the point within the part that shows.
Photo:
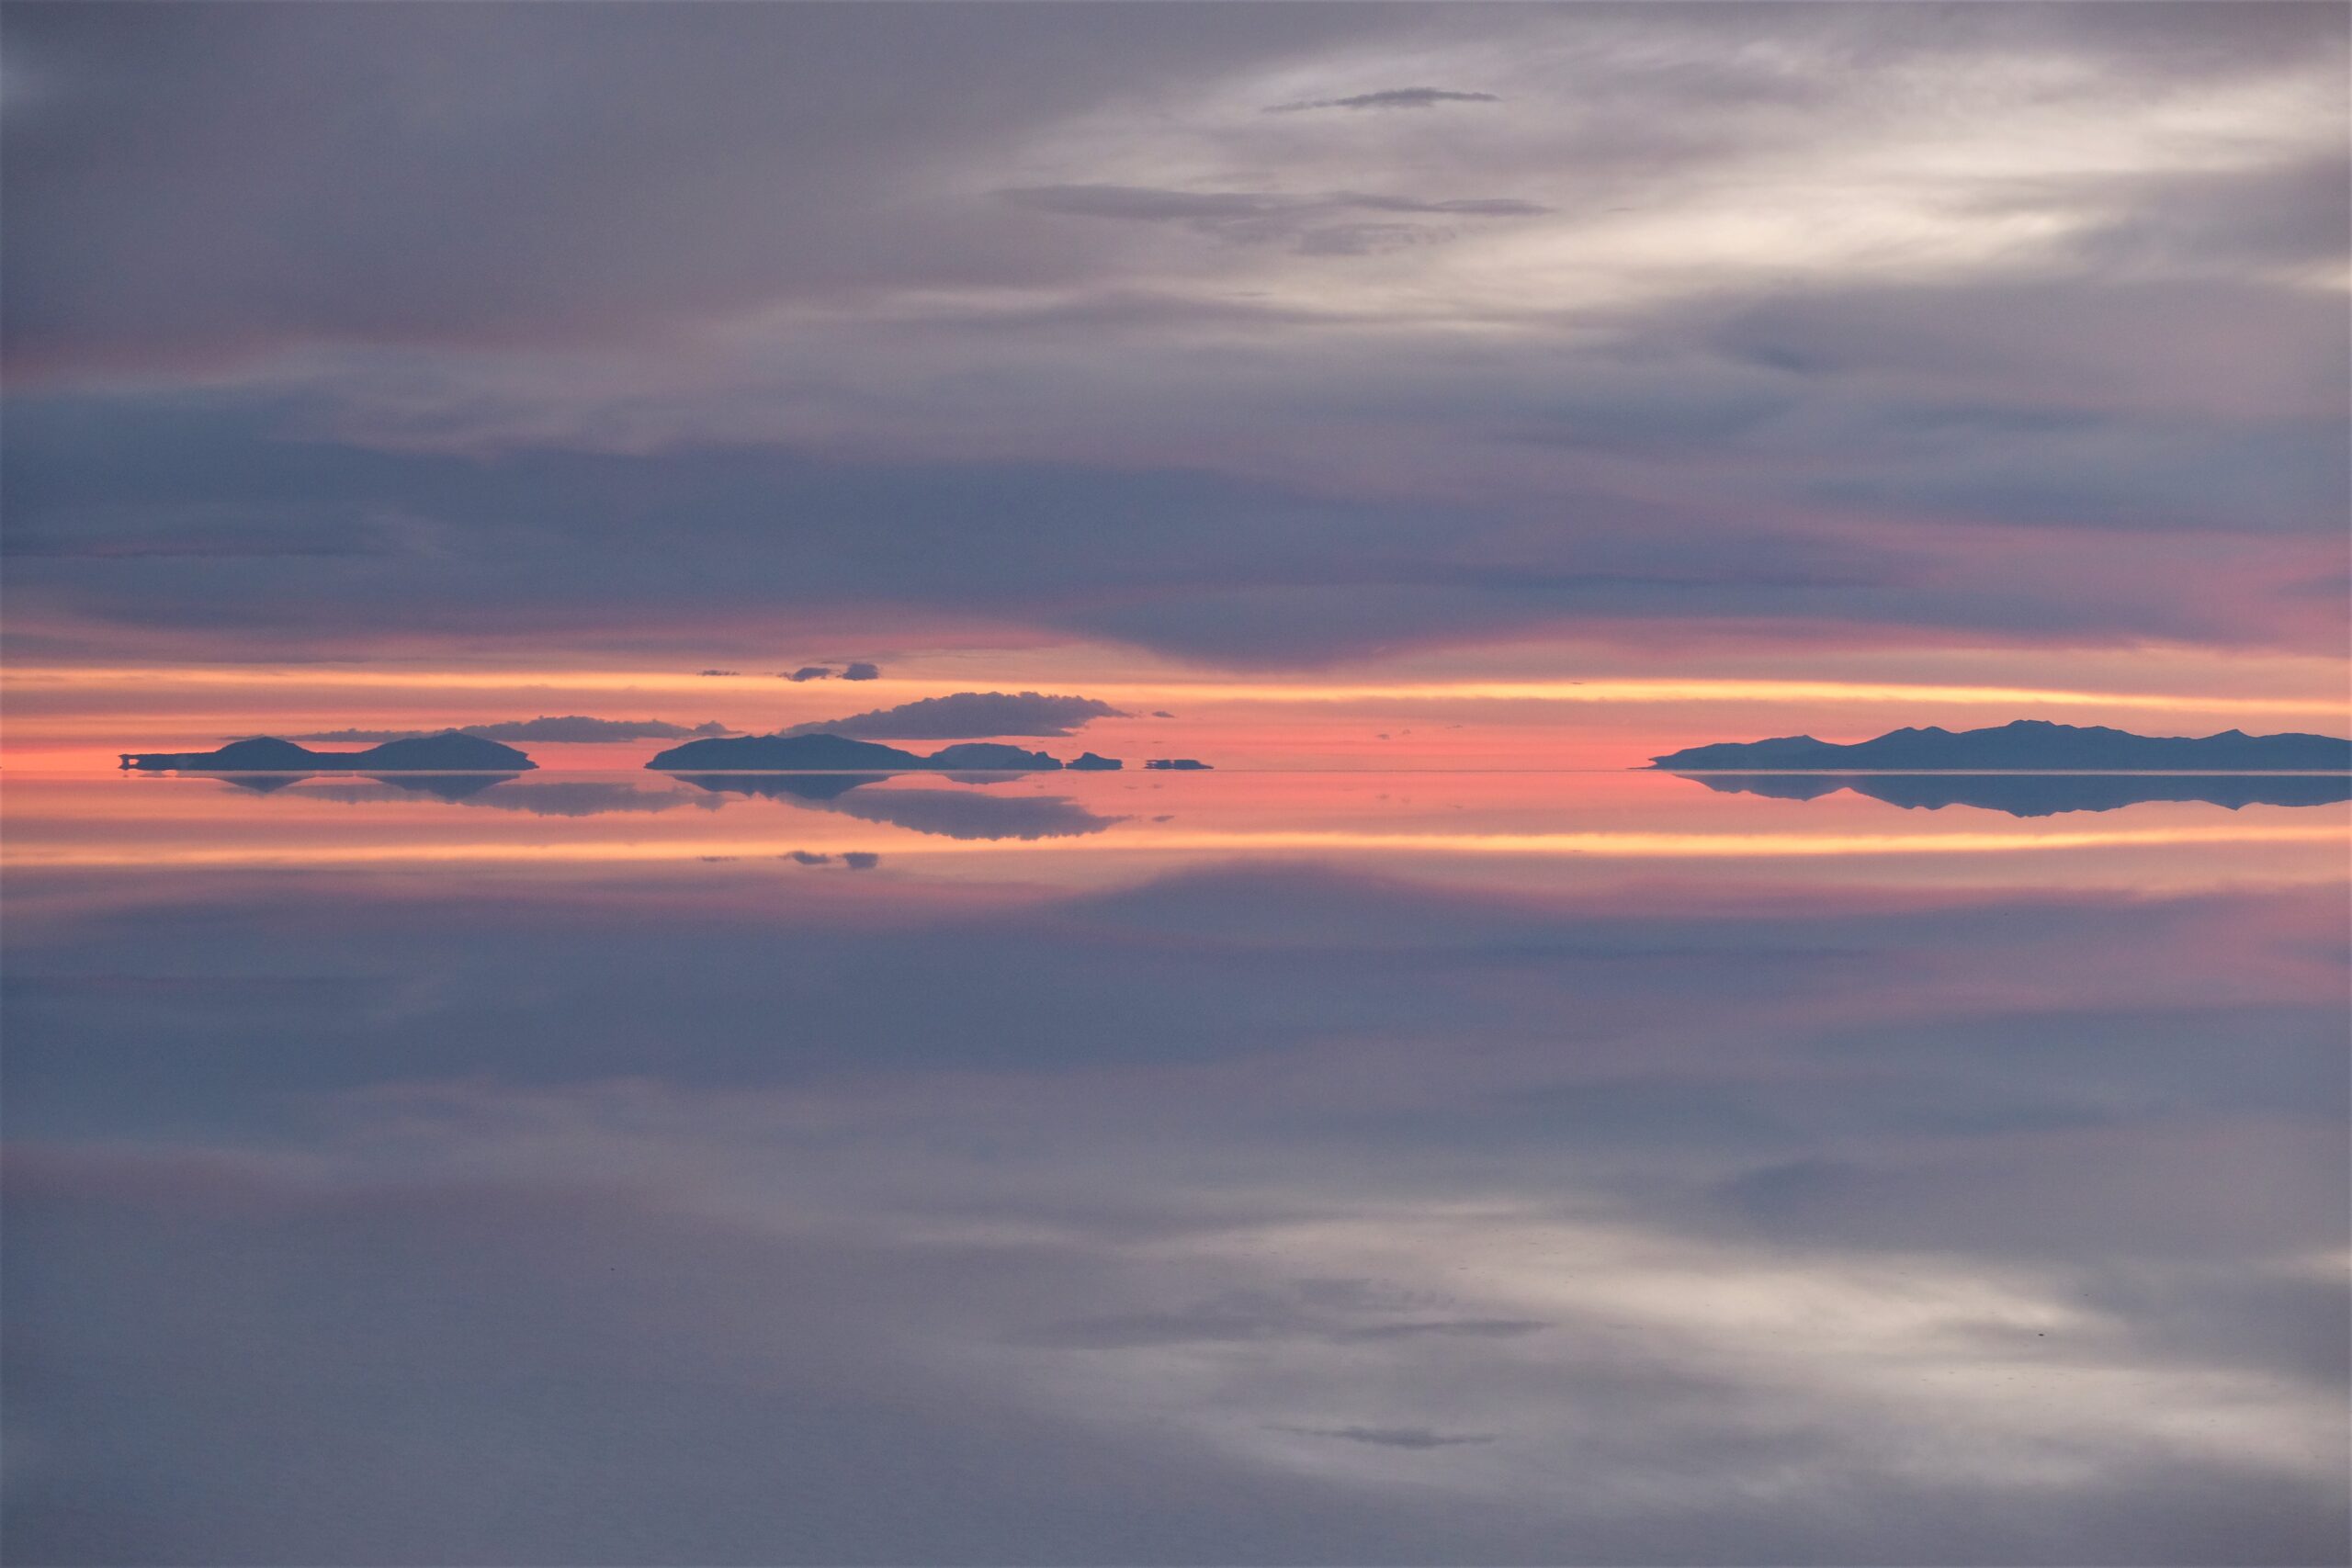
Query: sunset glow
(1063,781)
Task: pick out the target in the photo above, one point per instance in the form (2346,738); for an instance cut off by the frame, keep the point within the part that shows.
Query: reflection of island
(2032,745)
(507,792)
(946,813)
(1179,764)
(449,753)
(839,755)
(2044,794)
(441,786)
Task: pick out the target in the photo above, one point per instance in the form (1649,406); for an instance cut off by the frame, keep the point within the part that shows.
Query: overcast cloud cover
(623,331)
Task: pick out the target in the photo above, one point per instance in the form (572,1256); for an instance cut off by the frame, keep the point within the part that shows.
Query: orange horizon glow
(72,719)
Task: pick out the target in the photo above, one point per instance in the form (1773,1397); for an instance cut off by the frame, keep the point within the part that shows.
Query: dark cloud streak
(1388,99)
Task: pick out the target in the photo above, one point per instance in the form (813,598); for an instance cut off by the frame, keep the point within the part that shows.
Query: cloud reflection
(1272,1211)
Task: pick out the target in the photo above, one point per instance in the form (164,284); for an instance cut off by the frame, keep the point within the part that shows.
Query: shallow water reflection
(1193,1190)
(2046,795)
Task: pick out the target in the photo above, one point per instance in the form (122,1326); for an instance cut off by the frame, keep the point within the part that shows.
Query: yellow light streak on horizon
(1630,689)
(1599,845)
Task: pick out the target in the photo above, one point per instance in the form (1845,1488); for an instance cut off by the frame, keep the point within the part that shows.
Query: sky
(1377,1148)
(435,362)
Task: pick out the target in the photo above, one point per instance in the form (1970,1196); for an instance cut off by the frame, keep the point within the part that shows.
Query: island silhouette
(452,752)
(2026,745)
(825,753)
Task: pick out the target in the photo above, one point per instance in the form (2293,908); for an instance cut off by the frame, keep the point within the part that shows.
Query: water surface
(1275,1168)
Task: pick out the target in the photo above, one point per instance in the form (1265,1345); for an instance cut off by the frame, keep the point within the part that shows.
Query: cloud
(861,672)
(1394,1437)
(1326,1312)
(570,728)
(1990,361)
(967,715)
(812,673)
(1316,225)
(1388,99)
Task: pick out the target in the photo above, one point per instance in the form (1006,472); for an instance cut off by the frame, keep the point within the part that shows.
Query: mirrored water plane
(1385,1149)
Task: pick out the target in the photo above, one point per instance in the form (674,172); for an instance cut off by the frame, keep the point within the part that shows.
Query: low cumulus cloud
(967,715)
(1322,223)
(568,728)
(1388,99)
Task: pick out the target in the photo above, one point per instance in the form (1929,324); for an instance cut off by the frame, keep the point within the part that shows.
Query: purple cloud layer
(334,328)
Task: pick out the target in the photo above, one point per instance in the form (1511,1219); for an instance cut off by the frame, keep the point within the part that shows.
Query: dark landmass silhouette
(787,754)
(2045,794)
(827,754)
(1179,764)
(2029,745)
(449,753)
(983,756)
(1088,762)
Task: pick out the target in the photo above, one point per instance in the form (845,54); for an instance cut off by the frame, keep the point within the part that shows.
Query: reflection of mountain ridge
(946,813)
(2044,795)
(503,792)
(968,812)
(444,786)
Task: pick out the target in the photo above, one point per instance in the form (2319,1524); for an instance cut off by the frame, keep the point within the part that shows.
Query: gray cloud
(812,673)
(861,672)
(1394,1437)
(967,715)
(495,433)
(1388,99)
(1314,224)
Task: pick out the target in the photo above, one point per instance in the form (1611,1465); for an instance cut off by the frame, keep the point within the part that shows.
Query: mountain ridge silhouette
(2022,745)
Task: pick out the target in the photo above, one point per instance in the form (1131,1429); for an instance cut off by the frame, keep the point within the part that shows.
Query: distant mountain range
(449,753)
(839,755)
(2027,745)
